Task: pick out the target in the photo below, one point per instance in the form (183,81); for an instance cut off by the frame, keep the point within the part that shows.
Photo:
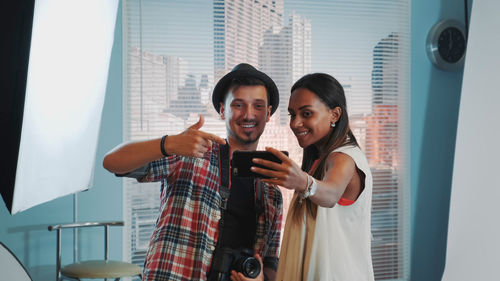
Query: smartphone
(242,161)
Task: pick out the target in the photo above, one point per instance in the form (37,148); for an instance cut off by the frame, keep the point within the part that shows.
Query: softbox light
(473,247)
(56,56)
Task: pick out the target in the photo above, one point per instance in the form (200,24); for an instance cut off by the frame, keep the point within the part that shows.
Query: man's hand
(238,276)
(192,142)
(130,156)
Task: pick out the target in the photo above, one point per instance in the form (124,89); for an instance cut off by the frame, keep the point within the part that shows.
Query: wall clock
(446,45)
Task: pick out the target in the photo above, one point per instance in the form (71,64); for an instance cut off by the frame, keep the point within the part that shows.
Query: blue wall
(435,98)
(26,233)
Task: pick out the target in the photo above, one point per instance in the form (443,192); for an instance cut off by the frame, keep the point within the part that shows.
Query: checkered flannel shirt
(186,230)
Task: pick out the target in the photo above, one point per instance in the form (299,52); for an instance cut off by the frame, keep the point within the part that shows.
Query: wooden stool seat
(100,269)
(92,269)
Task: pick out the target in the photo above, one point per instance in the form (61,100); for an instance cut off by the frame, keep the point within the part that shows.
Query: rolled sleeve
(274,234)
(160,169)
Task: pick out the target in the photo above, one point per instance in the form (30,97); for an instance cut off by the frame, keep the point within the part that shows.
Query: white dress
(341,249)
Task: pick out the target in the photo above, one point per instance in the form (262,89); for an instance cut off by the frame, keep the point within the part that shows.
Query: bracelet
(311,187)
(162,146)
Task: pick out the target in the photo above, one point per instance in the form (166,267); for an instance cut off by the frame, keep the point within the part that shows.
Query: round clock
(446,45)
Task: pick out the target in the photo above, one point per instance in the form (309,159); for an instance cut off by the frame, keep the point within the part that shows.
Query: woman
(327,232)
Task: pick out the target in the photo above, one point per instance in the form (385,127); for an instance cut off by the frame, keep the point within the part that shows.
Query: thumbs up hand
(192,142)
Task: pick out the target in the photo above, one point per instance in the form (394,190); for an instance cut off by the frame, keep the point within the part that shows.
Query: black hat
(245,70)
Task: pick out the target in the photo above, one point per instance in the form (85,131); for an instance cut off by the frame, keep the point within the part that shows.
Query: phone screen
(242,161)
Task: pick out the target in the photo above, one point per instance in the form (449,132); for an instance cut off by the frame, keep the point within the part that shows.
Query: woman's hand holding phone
(287,173)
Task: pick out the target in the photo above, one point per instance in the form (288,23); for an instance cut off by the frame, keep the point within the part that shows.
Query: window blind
(175,52)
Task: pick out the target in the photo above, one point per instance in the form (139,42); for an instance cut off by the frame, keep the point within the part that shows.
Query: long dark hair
(329,90)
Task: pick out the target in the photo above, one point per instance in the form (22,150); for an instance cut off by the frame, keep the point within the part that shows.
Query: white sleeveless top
(341,249)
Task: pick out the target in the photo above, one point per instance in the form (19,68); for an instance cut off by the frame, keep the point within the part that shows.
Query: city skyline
(348,59)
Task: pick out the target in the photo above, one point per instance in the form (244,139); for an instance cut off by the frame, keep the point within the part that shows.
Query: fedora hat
(245,70)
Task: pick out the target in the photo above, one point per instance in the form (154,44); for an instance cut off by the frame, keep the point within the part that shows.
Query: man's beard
(244,141)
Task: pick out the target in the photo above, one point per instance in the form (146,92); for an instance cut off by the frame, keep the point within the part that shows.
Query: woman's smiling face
(310,117)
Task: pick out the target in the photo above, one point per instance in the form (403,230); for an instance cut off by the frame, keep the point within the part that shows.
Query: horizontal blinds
(175,51)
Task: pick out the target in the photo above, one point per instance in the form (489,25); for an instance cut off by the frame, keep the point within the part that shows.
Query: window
(175,51)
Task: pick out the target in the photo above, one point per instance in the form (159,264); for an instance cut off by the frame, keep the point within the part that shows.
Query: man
(204,211)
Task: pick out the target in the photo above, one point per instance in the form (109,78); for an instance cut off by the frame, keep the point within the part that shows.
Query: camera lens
(250,267)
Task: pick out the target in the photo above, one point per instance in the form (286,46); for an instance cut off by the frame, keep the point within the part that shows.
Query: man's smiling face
(246,112)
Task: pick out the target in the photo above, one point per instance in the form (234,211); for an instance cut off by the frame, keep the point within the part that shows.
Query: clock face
(451,44)
(446,45)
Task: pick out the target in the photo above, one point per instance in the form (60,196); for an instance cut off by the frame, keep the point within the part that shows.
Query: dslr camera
(240,260)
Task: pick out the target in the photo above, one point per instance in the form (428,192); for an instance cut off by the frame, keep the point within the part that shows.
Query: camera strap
(225,182)
(215,273)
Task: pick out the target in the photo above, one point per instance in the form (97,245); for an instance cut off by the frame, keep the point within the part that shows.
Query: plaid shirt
(186,232)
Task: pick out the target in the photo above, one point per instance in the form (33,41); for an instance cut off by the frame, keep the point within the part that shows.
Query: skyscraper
(176,74)
(382,126)
(188,100)
(382,151)
(239,27)
(385,71)
(285,55)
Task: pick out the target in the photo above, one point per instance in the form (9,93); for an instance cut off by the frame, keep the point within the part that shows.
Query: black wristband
(162,146)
